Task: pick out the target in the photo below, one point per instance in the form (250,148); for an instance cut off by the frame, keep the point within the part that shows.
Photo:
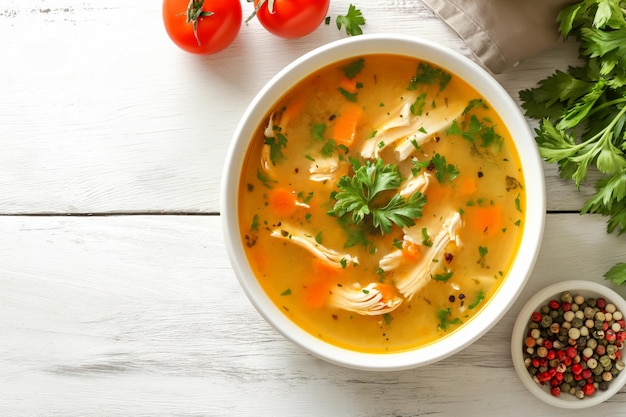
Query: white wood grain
(102,113)
(141,315)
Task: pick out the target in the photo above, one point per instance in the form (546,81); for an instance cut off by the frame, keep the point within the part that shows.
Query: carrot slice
(317,291)
(282,201)
(293,109)
(387,291)
(486,219)
(345,124)
(468,186)
(349,84)
(411,251)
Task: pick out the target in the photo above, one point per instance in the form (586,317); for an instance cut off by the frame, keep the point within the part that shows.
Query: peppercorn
(575,347)
(546,320)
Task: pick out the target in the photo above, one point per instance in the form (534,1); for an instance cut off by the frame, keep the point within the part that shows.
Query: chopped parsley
(445,322)
(444,172)
(428,74)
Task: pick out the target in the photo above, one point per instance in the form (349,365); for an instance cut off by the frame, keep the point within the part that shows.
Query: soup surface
(381,203)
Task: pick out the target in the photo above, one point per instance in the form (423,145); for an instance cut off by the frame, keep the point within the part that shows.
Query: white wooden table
(116,294)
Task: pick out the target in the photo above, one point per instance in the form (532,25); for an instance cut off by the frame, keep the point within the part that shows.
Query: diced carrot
(349,84)
(411,251)
(387,291)
(317,291)
(345,124)
(282,201)
(468,186)
(293,109)
(486,219)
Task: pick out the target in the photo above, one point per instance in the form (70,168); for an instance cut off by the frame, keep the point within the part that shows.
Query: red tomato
(202,26)
(291,18)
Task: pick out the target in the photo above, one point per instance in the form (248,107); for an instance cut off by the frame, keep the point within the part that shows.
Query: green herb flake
(444,276)
(318,238)
(329,148)
(426,241)
(428,74)
(276,143)
(417,108)
(479,298)
(353,68)
(255,223)
(444,172)
(518,204)
(445,321)
(265,180)
(286,292)
(317,131)
(352,97)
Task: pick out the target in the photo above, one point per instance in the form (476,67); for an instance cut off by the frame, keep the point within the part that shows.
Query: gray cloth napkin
(502,32)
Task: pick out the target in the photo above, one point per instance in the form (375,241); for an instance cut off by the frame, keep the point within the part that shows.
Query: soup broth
(381,203)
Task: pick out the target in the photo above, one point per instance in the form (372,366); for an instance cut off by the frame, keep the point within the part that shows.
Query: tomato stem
(270,8)
(194,12)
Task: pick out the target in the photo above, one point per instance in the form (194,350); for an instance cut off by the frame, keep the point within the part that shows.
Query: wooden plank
(141,315)
(102,113)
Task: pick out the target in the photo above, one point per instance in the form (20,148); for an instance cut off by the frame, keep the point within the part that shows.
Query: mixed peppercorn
(574,344)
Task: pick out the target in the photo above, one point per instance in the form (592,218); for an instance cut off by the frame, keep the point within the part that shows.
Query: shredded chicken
(414,184)
(301,238)
(427,127)
(390,131)
(411,130)
(325,170)
(419,275)
(363,300)
(266,161)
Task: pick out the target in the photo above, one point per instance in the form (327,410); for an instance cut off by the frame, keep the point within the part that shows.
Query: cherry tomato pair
(209,26)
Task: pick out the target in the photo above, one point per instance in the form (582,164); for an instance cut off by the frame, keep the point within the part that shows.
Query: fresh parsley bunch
(583,110)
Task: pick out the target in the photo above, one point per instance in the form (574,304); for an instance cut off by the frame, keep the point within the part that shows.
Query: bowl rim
(455,63)
(585,288)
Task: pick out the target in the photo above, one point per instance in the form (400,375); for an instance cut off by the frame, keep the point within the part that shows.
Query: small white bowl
(512,117)
(565,400)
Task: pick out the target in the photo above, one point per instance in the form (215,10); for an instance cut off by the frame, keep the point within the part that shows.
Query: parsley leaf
(444,172)
(363,196)
(617,274)
(445,322)
(277,143)
(353,68)
(353,20)
(428,74)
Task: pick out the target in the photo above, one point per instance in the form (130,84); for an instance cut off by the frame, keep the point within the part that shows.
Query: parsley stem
(608,104)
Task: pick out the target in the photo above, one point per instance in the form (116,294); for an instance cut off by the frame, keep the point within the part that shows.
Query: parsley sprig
(352,21)
(583,110)
(362,195)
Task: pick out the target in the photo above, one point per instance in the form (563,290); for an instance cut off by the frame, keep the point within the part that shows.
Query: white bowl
(492,91)
(565,400)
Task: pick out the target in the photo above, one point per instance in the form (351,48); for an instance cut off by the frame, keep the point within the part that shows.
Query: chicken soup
(381,203)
